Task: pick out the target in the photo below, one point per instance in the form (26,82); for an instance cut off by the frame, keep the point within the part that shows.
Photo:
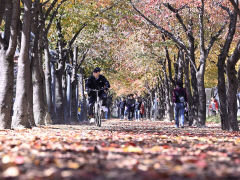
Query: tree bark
(221,70)
(20,118)
(59,98)
(7,52)
(232,88)
(83,102)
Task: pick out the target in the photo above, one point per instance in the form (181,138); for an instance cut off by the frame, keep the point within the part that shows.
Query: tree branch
(50,8)
(2,10)
(54,15)
(235,5)
(14,28)
(214,38)
(161,29)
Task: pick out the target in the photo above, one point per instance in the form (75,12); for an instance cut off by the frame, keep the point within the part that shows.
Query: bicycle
(98,108)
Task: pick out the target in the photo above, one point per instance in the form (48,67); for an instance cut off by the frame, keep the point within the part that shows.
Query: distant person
(96,82)
(213,107)
(138,104)
(180,100)
(142,110)
(122,106)
(130,107)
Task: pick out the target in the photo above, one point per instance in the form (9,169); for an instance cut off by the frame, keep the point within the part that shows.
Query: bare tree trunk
(180,66)
(39,107)
(83,102)
(74,100)
(189,92)
(202,94)
(68,96)
(232,88)
(48,80)
(221,71)
(20,118)
(167,94)
(59,99)
(7,52)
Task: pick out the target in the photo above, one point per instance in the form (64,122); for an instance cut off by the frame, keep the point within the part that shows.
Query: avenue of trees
(143,46)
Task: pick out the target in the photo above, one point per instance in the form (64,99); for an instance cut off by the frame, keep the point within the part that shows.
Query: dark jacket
(131,104)
(122,104)
(93,83)
(177,93)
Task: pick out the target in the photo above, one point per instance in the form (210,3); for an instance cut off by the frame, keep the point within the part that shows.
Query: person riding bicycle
(96,82)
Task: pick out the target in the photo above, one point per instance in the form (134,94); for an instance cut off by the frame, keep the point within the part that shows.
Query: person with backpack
(179,100)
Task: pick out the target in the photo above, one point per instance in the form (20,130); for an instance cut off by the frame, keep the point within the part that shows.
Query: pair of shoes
(176,126)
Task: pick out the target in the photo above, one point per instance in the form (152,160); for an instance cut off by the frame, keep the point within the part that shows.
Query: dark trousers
(122,113)
(93,99)
(130,114)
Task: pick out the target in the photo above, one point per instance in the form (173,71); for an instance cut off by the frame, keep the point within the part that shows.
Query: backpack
(180,97)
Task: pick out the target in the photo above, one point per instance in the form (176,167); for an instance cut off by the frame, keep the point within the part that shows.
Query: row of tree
(49,65)
(191,29)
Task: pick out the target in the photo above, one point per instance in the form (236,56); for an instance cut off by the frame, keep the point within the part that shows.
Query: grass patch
(217,119)
(214,119)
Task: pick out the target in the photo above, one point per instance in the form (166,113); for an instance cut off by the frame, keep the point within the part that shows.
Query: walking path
(120,150)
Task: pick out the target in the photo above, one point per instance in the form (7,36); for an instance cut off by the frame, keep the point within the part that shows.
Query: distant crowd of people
(131,108)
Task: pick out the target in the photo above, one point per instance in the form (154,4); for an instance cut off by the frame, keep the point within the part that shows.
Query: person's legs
(181,111)
(177,114)
(139,115)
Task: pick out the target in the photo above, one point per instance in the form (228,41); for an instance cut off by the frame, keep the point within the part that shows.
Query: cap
(96,70)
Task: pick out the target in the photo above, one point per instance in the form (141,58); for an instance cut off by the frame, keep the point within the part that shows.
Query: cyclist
(96,82)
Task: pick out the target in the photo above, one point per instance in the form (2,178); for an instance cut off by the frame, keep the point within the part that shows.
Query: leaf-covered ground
(120,150)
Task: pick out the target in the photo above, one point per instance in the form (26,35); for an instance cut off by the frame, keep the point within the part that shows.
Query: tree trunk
(221,72)
(20,118)
(83,102)
(180,66)
(48,80)
(232,88)
(6,89)
(74,101)
(68,96)
(59,98)
(189,92)
(7,52)
(202,94)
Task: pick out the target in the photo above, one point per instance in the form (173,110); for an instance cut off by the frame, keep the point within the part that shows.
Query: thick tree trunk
(221,72)
(202,95)
(74,101)
(30,96)
(64,91)
(68,96)
(6,90)
(7,52)
(189,92)
(20,118)
(53,85)
(83,102)
(48,80)
(59,98)
(232,88)
(180,66)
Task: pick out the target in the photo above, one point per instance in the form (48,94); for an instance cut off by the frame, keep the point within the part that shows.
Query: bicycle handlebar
(95,90)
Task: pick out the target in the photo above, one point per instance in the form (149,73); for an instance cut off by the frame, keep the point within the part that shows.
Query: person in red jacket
(213,107)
